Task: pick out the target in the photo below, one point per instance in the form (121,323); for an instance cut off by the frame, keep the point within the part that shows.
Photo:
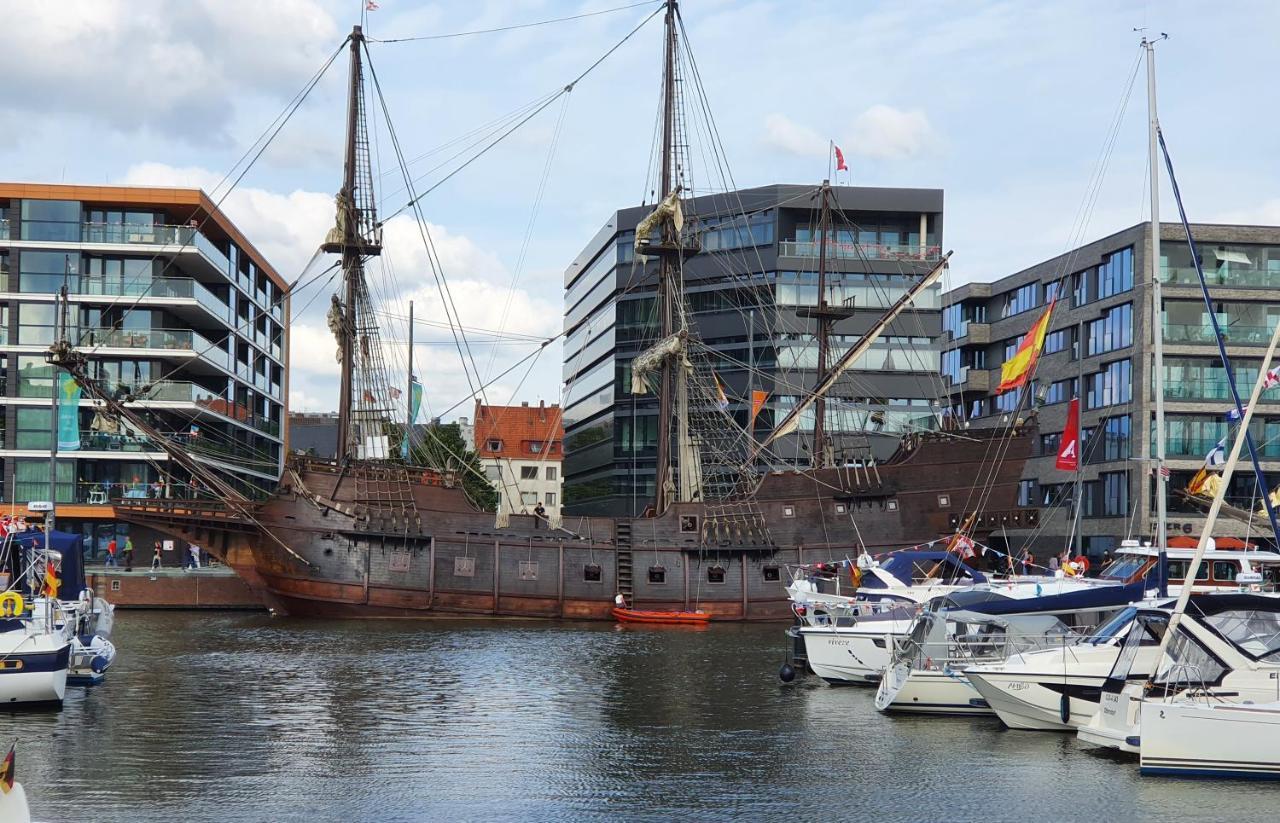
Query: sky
(1009,107)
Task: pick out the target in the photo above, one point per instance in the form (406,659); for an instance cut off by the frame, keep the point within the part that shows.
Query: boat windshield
(1255,633)
(1188,665)
(1122,568)
(1112,627)
(1146,631)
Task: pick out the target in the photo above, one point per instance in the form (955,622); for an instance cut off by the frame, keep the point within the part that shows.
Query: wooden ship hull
(328,544)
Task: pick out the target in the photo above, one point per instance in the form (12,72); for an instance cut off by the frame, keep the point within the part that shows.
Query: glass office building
(746,292)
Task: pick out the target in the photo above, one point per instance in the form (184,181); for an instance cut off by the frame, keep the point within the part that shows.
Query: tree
(441,447)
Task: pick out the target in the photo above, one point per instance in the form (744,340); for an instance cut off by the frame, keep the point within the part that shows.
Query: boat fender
(787,673)
(99,664)
(1064,709)
(12,604)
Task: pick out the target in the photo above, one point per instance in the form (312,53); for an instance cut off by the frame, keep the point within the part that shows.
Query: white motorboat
(1226,649)
(1223,570)
(88,621)
(1198,737)
(926,673)
(825,593)
(34,659)
(1058,689)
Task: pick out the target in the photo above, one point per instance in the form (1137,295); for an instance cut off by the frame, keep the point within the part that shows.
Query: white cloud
(784,135)
(1266,213)
(885,133)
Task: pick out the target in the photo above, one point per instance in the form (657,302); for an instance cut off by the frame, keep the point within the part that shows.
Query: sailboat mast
(666,271)
(824,328)
(1157,307)
(351,260)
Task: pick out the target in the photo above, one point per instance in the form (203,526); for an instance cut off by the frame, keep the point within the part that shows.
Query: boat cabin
(1236,569)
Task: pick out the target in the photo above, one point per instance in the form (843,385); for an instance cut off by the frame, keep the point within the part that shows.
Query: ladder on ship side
(622,558)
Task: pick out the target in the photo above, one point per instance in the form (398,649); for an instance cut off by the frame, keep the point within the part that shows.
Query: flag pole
(831,150)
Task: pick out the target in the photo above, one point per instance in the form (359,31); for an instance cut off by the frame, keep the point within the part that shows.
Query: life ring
(12,604)
(1082,562)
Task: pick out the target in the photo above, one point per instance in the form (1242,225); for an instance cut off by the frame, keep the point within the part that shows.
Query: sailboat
(371,535)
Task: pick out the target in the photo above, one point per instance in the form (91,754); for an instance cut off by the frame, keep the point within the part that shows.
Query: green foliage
(441,447)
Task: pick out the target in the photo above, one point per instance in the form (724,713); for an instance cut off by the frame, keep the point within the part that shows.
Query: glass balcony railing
(1234,335)
(143,234)
(1197,389)
(1234,278)
(860,251)
(165,287)
(1200,446)
(4,229)
(171,339)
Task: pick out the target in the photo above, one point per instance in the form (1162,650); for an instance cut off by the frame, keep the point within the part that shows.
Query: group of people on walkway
(190,560)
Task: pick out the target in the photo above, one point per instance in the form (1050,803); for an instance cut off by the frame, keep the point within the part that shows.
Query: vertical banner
(1069,447)
(757,403)
(415,406)
(68,413)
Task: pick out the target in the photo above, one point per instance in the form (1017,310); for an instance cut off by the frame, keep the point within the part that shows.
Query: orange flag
(757,403)
(1015,371)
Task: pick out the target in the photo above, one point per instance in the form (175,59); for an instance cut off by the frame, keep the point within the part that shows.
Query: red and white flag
(370,5)
(963,545)
(1069,448)
(840,164)
(1272,379)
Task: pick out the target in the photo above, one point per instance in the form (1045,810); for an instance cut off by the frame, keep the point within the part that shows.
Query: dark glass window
(657,574)
(591,573)
(1112,331)
(771,574)
(1111,386)
(715,574)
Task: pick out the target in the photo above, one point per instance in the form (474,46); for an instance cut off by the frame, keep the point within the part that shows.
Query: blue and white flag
(1233,415)
(1217,455)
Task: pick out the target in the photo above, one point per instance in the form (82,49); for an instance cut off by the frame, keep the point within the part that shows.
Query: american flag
(1164,472)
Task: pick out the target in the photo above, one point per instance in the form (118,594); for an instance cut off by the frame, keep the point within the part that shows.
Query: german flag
(7,771)
(1015,371)
(51,581)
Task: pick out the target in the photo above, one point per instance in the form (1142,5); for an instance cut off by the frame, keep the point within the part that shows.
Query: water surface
(242,717)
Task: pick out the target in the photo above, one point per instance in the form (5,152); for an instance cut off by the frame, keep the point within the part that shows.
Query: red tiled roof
(523,432)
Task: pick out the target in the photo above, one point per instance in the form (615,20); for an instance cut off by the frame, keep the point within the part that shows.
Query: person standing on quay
(155,557)
(195,556)
(111,554)
(128,553)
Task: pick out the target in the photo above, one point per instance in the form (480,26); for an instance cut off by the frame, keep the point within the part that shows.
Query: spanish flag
(1015,371)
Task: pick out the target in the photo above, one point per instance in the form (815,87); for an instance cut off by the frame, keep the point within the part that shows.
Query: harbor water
(241,717)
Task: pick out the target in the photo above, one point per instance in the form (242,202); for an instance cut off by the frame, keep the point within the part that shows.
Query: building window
(529,498)
(51,220)
(551,498)
(1060,392)
(1057,341)
(1026,492)
(1023,299)
(1112,331)
(944,500)
(591,573)
(891,505)
(1115,493)
(1111,386)
(772,574)
(551,472)
(528,472)
(1115,274)
(535,447)
(1008,401)
(493,445)
(1116,438)
(715,574)
(788,511)
(841,508)
(1049,443)
(657,574)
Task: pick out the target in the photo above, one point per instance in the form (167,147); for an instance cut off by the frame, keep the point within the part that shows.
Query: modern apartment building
(520,448)
(748,293)
(1099,347)
(179,314)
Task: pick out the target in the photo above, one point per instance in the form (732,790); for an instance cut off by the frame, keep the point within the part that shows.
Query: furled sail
(650,360)
(668,209)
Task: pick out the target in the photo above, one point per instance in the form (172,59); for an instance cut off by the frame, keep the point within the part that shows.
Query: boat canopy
(909,567)
(1092,597)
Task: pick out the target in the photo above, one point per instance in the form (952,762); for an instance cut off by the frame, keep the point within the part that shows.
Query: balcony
(1197,389)
(1236,279)
(152,235)
(183,340)
(974,333)
(974,381)
(173,288)
(860,251)
(1198,447)
(1202,333)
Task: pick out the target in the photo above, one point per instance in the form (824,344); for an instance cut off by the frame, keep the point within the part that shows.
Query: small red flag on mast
(840,164)
(1069,449)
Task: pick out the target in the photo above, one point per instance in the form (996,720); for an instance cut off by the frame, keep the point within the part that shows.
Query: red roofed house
(521,448)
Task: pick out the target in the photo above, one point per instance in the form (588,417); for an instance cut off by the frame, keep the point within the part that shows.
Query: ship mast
(667,298)
(349,238)
(824,328)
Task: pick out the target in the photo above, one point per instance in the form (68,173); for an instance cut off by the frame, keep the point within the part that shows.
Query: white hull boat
(33,666)
(1197,738)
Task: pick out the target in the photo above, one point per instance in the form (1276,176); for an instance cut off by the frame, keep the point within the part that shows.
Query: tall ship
(375,532)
